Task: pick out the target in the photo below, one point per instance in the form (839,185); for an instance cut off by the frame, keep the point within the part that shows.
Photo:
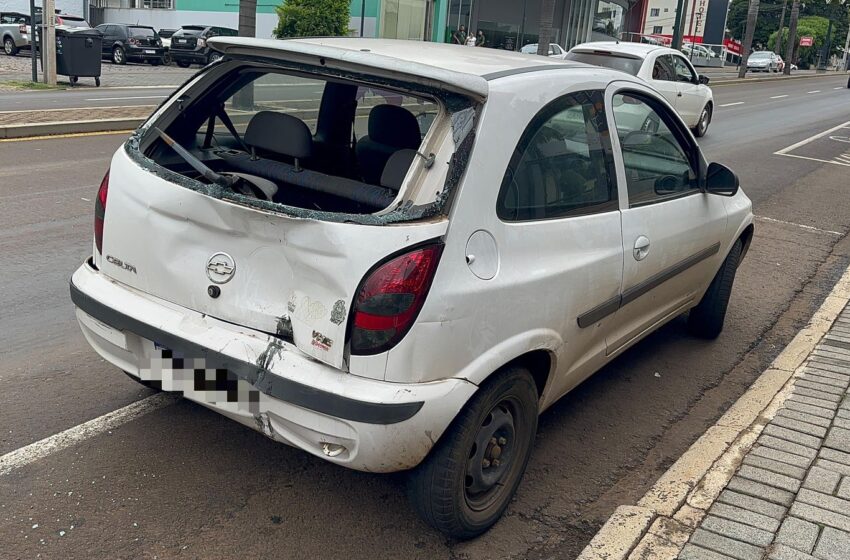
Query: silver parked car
(764,61)
(14,32)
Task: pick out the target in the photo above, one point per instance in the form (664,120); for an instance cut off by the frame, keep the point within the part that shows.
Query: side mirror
(721,180)
(703,79)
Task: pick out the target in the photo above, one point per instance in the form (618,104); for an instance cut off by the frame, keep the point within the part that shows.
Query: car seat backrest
(279,133)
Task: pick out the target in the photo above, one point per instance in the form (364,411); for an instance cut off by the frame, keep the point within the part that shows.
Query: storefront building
(506,24)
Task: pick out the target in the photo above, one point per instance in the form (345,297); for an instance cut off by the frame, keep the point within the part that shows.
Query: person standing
(459,36)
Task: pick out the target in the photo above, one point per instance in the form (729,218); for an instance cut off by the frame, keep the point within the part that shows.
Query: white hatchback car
(404,270)
(665,69)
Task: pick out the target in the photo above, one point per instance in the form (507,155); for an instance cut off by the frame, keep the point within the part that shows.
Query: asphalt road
(186,482)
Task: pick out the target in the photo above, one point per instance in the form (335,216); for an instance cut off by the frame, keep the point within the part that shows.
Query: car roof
(455,67)
(640,50)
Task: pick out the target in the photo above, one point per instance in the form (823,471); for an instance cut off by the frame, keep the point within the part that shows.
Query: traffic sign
(807,41)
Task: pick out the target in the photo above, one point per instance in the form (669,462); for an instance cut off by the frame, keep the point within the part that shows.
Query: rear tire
(466,482)
(118,56)
(706,319)
(213,57)
(9,47)
(182,64)
(704,120)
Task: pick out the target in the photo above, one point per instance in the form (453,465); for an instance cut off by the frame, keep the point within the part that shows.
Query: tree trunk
(777,48)
(244,98)
(547,15)
(792,37)
(752,15)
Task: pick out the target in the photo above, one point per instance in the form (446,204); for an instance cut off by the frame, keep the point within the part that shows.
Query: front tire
(706,319)
(118,56)
(466,482)
(704,120)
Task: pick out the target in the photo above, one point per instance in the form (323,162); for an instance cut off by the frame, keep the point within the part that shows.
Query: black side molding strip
(262,380)
(612,305)
(527,69)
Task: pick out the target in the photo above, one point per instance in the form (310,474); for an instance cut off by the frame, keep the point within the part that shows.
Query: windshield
(530,49)
(69,21)
(761,54)
(142,31)
(610,60)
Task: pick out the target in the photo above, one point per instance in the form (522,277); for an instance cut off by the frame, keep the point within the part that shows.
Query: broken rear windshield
(304,141)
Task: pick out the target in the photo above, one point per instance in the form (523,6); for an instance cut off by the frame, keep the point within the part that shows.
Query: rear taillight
(390,298)
(100,212)
(133,41)
(22,28)
(202,42)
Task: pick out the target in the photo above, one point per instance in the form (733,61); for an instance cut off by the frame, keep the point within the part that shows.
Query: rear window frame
(401,211)
(608,54)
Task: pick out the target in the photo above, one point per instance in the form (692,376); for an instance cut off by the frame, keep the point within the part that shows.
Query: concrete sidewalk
(26,124)
(771,479)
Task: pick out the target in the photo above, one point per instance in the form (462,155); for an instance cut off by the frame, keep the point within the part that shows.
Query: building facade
(506,24)
(704,21)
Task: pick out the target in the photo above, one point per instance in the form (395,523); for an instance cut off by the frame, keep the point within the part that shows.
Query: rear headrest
(396,168)
(395,126)
(279,133)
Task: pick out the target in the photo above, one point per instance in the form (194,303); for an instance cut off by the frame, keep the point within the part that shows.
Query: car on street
(124,43)
(165,37)
(407,285)
(189,44)
(14,32)
(764,61)
(665,69)
(555,50)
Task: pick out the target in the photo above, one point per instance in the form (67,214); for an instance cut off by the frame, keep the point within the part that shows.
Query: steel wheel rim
(493,458)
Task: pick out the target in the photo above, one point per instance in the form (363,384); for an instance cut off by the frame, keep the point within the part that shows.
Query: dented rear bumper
(264,382)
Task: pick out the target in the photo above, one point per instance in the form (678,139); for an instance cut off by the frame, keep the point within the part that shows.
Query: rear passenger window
(424,110)
(561,165)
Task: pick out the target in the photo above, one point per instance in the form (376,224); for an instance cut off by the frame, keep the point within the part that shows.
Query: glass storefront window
(403,19)
(607,22)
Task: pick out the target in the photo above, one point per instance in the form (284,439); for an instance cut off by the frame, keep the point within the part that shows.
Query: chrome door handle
(641,249)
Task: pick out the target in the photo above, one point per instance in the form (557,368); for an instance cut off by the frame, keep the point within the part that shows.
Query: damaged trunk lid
(294,277)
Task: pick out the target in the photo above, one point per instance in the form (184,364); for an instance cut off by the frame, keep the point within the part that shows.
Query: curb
(68,127)
(663,519)
(732,81)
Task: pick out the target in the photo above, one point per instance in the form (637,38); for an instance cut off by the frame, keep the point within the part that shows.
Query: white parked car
(764,61)
(415,300)
(665,69)
(555,50)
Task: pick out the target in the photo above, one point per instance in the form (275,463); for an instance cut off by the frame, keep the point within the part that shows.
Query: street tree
(312,18)
(791,45)
(752,16)
(547,16)
(244,98)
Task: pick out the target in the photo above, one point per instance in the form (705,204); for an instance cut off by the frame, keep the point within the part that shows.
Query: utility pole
(792,37)
(362,17)
(48,43)
(681,7)
(244,98)
(752,15)
(33,31)
(846,46)
(777,48)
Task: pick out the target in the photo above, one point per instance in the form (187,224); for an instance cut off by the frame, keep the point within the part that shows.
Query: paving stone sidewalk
(790,497)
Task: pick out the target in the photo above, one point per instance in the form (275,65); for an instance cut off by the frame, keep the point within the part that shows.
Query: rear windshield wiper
(197,164)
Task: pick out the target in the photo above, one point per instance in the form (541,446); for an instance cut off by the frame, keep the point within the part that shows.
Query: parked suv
(189,44)
(123,42)
(14,32)
(402,270)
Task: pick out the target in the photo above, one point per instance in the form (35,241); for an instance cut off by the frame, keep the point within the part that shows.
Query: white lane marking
(784,151)
(124,98)
(815,159)
(730,104)
(39,450)
(801,226)
(815,91)
(779,96)
(839,87)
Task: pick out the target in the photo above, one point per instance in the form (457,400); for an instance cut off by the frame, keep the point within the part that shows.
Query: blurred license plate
(150,52)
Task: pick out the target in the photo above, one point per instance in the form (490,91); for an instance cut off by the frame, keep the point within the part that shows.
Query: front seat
(391,128)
